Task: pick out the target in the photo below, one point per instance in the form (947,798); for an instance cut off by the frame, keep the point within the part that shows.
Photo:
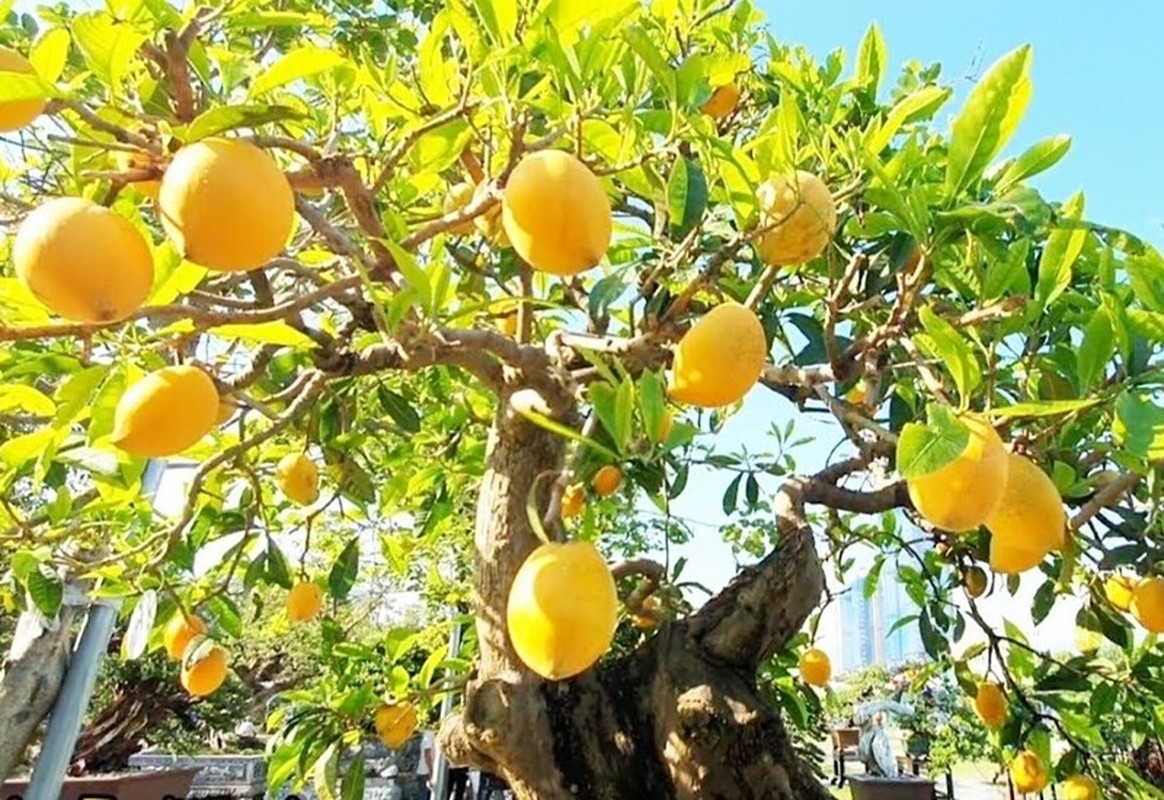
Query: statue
(874,748)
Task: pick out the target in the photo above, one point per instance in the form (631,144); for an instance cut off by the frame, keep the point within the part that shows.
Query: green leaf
(49,54)
(277,570)
(1037,158)
(414,275)
(20,86)
(19,450)
(605,400)
(988,119)
(352,787)
(227,118)
(653,402)
(1146,275)
(872,57)
(731,495)
(44,587)
(624,407)
(276,332)
(500,18)
(224,611)
(398,407)
(1043,603)
(1139,425)
(920,104)
(325,771)
(109,45)
(645,48)
(548,424)
(1059,255)
(949,347)
(1042,408)
(300,63)
(343,573)
(1148,324)
(141,621)
(96,460)
(686,195)
(18,396)
(923,449)
(1096,349)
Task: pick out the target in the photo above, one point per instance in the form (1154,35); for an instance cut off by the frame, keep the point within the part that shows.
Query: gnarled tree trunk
(681,717)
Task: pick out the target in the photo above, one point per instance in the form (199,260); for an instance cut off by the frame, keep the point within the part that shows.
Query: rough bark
(32,678)
(678,719)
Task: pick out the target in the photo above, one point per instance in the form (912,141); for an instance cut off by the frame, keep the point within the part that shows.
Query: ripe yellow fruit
(815,667)
(562,610)
(975,582)
(1119,590)
(858,394)
(165,412)
(457,198)
(556,213)
(1028,773)
(1030,516)
(226,205)
(1080,787)
(126,160)
(83,261)
(298,478)
(206,674)
(509,324)
(1148,604)
(961,495)
(395,723)
(179,632)
(489,223)
(1007,560)
(607,480)
(720,358)
(804,215)
(647,622)
(16,114)
(991,705)
(572,500)
(723,101)
(304,601)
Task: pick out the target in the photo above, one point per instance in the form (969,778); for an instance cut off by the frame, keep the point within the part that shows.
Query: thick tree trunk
(680,718)
(32,678)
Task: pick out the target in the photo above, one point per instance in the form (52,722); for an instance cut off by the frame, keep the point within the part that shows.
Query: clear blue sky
(1097,77)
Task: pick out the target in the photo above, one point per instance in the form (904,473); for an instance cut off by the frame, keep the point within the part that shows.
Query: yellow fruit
(298,478)
(1080,787)
(1007,560)
(572,499)
(991,705)
(16,114)
(804,216)
(126,160)
(962,494)
(226,205)
(1119,590)
(647,622)
(975,582)
(206,674)
(165,412)
(304,601)
(666,423)
(1148,604)
(815,667)
(720,358)
(395,724)
(858,394)
(179,632)
(509,324)
(226,411)
(563,609)
(83,261)
(1030,515)
(607,480)
(556,213)
(723,101)
(489,223)
(457,198)
(1028,773)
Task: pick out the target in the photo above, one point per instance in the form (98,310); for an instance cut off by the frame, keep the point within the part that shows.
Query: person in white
(425,766)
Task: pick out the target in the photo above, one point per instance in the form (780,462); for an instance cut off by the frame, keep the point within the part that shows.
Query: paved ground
(971,782)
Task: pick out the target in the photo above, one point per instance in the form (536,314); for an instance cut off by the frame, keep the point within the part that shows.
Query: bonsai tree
(469,281)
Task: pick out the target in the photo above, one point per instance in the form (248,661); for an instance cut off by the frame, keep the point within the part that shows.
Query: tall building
(865,624)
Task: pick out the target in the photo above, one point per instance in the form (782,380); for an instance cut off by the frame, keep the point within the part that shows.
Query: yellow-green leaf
(17,395)
(49,54)
(294,66)
(19,305)
(264,333)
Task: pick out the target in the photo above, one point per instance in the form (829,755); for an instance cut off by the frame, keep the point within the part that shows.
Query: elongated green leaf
(921,104)
(1059,255)
(19,396)
(988,119)
(1044,408)
(415,276)
(343,573)
(296,65)
(398,407)
(277,571)
(227,118)
(624,409)
(1146,275)
(44,587)
(108,45)
(500,18)
(137,633)
(646,49)
(49,54)
(923,449)
(325,771)
(1039,157)
(542,421)
(1139,425)
(949,347)
(686,195)
(1149,324)
(872,57)
(352,787)
(264,333)
(1095,350)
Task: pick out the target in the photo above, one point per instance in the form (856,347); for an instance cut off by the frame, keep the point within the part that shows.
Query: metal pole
(440,765)
(77,688)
